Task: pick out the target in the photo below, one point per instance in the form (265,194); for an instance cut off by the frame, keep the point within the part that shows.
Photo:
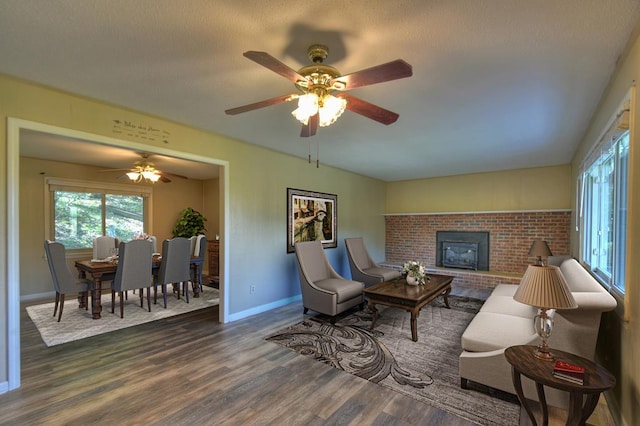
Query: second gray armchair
(363,268)
(323,289)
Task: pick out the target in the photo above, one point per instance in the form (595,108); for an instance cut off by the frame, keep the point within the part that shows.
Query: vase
(411,280)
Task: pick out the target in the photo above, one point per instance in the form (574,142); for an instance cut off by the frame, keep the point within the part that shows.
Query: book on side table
(570,372)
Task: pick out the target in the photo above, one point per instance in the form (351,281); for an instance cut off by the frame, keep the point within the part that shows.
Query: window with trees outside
(81,211)
(603,204)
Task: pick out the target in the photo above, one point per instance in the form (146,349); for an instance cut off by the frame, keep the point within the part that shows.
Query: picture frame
(311,216)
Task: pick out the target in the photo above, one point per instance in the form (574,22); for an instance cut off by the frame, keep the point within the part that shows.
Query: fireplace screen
(460,255)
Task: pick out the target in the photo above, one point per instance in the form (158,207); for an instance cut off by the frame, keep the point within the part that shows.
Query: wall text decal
(140,131)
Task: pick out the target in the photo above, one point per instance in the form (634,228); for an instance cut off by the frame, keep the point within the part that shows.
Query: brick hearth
(413,237)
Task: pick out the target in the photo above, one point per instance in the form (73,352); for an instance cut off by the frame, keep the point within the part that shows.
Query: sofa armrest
(600,301)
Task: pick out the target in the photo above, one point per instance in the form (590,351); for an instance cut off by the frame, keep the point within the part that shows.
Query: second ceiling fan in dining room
(145,171)
(317,83)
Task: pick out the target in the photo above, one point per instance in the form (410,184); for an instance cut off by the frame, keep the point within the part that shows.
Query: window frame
(52,184)
(607,149)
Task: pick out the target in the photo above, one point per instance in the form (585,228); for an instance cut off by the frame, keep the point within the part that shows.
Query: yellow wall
(255,235)
(544,188)
(627,356)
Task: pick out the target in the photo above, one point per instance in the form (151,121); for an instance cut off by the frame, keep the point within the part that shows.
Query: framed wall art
(311,216)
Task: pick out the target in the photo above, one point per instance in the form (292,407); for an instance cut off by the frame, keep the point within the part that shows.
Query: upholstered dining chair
(154,243)
(174,268)
(198,252)
(104,246)
(63,281)
(362,266)
(323,289)
(135,264)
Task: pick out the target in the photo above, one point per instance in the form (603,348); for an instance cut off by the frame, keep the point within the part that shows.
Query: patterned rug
(426,370)
(78,324)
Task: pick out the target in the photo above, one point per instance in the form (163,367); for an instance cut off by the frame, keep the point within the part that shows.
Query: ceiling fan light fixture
(150,175)
(134,176)
(329,109)
(307,107)
(147,173)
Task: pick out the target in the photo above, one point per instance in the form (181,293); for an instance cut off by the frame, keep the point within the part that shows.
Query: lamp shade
(545,287)
(540,248)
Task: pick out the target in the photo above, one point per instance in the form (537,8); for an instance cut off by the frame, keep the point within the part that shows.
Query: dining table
(97,269)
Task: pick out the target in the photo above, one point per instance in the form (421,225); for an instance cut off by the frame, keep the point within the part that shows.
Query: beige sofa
(503,322)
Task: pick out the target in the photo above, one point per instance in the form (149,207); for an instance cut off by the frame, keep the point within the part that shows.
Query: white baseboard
(264,308)
(29,297)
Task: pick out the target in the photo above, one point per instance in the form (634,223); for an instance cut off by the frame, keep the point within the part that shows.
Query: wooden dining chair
(63,281)
(133,272)
(174,268)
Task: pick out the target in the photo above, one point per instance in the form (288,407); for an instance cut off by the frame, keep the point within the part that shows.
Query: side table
(597,379)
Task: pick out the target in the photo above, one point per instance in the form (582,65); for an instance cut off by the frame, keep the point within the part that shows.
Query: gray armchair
(363,268)
(323,289)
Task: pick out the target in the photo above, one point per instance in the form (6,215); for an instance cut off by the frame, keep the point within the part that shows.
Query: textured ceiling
(497,84)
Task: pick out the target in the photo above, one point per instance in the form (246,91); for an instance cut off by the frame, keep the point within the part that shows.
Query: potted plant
(190,223)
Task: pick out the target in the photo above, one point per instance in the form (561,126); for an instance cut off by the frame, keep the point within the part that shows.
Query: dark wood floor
(192,370)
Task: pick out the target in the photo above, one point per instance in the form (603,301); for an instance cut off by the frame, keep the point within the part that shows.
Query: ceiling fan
(317,106)
(144,170)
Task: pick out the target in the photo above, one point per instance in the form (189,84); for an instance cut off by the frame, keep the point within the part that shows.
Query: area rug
(78,324)
(426,370)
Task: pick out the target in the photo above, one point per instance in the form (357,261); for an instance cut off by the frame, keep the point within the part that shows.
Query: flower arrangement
(143,236)
(416,270)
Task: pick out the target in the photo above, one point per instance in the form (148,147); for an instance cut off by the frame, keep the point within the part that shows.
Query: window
(82,211)
(604,205)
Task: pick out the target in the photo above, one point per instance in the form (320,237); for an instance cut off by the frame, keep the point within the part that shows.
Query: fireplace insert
(463,250)
(457,254)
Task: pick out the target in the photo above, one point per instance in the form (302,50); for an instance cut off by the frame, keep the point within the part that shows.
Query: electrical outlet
(252,289)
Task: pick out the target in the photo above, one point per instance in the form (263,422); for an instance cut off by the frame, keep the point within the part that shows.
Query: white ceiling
(497,84)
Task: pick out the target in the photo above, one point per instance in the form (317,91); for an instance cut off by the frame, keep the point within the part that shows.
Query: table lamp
(540,248)
(545,288)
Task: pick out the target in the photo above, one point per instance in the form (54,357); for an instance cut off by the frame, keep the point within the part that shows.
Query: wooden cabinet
(214,255)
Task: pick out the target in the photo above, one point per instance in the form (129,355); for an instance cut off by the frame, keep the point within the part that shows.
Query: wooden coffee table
(398,294)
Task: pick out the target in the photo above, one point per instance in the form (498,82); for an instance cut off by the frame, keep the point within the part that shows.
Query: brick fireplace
(414,237)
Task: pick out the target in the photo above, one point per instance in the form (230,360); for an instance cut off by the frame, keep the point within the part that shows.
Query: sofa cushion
(507,306)
(345,289)
(504,290)
(490,331)
(387,274)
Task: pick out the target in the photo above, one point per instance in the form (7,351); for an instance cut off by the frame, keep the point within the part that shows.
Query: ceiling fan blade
(164,179)
(164,174)
(261,104)
(113,170)
(369,110)
(268,61)
(311,127)
(386,72)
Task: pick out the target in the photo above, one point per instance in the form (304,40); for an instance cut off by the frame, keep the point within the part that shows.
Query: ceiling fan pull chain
(309,151)
(317,155)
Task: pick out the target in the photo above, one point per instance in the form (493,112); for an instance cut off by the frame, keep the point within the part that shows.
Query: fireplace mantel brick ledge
(483,279)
